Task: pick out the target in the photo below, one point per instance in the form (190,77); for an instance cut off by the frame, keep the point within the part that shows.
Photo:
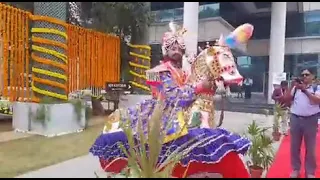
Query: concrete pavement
(80,167)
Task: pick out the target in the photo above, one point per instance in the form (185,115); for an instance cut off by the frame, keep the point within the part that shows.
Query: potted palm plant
(261,152)
(278,113)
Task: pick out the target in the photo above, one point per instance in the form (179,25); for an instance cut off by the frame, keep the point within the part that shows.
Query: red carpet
(281,166)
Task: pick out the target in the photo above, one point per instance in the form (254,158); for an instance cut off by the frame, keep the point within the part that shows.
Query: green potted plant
(261,151)
(277,114)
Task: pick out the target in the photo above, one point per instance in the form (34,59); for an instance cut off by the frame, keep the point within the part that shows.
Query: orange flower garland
(92,58)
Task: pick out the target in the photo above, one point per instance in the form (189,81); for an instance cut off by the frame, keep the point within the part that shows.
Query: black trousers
(247,92)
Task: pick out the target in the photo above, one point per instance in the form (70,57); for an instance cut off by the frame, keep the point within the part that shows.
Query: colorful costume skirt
(220,154)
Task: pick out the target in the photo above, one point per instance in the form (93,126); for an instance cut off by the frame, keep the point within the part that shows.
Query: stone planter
(47,119)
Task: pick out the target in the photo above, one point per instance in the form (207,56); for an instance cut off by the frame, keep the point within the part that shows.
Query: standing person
(240,91)
(278,96)
(247,83)
(304,122)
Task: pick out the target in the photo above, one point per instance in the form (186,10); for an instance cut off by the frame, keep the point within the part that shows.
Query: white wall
(292,46)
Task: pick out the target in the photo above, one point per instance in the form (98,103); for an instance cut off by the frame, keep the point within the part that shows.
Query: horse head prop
(217,64)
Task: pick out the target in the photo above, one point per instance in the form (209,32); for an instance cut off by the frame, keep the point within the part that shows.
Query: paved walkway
(85,166)
(80,167)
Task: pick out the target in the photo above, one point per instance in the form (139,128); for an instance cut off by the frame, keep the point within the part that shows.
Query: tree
(129,20)
(27,6)
(121,18)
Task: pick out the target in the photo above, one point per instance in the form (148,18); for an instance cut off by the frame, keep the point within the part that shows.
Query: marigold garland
(49,62)
(12,29)
(138,65)
(49,73)
(139,46)
(137,75)
(140,56)
(49,31)
(48,93)
(49,82)
(140,86)
(84,54)
(48,19)
(51,52)
(48,42)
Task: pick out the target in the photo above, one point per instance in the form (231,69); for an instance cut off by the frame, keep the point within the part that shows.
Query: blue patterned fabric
(220,143)
(176,98)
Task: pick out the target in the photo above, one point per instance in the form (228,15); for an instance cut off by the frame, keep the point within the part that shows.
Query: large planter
(276,136)
(256,172)
(47,119)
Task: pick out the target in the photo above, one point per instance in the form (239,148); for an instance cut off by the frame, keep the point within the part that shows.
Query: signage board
(118,87)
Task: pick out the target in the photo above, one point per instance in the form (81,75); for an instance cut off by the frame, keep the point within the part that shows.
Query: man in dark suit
(279,98)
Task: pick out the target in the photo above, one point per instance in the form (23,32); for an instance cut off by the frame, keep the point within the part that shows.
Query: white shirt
(248,82)
(302,106)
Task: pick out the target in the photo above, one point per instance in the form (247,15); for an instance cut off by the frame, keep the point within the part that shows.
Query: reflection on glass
(209,10)
(297,25)
(312,23)
(205,11)
(294,64)
(244,61)
(254,68)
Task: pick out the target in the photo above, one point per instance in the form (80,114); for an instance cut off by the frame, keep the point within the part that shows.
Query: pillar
(57,10)
(190,22)
(277,42)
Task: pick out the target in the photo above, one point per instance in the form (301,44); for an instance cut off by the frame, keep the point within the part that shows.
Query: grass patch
(23,155)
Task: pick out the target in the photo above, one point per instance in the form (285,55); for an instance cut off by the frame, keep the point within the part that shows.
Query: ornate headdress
(174,36)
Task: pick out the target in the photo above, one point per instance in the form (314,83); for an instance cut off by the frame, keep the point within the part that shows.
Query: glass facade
(294,64)
(176,14)
(257,67)
(297,25)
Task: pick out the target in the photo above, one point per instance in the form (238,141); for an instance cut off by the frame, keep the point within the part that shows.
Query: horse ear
(221,40)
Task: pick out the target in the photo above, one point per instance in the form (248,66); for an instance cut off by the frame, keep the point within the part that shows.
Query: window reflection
(312,23)
(209,10)
(205,11)
(254,68)
(297,25)
(294,64)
